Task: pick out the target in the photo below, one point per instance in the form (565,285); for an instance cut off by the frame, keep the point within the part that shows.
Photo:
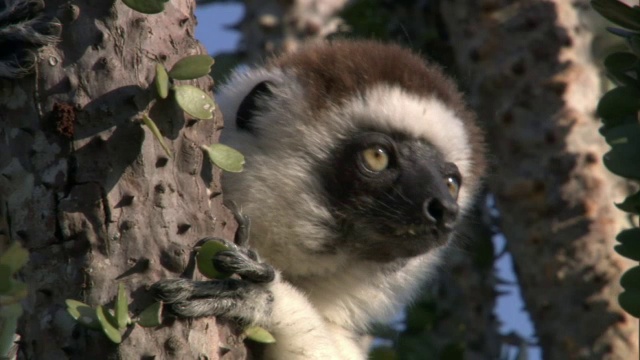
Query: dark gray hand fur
(24,28)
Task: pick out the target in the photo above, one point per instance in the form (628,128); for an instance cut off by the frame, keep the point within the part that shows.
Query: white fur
(323,301)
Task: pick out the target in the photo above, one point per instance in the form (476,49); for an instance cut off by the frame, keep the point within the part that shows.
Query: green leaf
(620,61)
(151,316)
(623,160)
(629,246)
(631,278)
(156,132)
(122,308)
(162,81)
(623,134)
(195,102)
(618,13)
(9,316)
(13,291)
(191,67)
(146,6)
(628,235)
(204,259)
(628,251)
(630,301)
(610,123)
(383,353)
(107,323)
(5,279)
(618,102)
(453,351)
(83,313)
(258,334)
(631,204)
(619,64)
(15,257)
(225,157)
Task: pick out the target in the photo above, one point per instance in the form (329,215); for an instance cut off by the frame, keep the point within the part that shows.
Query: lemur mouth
(412,230)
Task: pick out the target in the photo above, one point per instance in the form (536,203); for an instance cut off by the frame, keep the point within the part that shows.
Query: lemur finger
(178,290)
(172,290)
(244,224)
(229,298)
(17,11)
(241,264)
(201,307)
(231,246)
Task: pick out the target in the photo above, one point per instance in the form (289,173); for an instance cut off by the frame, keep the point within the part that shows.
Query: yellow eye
(375,158)
(454,186)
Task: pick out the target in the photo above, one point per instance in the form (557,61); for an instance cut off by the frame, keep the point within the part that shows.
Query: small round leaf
(204,259)
(191,67)
(225,157)
(618,102)
(631,204)
(162,81)
(258,334)
(631,278)
(620,61)
(146,6)
(623,160)
(83,313)
(630,301)
(195,102)
(151,316)
(15,257)
(107,323)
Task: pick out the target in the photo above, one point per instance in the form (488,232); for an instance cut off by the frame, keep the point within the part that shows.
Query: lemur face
(353,147)
(392,195)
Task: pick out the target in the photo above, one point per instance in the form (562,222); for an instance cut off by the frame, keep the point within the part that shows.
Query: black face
(394,197)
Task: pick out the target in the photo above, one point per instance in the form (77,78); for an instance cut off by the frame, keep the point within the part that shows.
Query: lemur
(361,159)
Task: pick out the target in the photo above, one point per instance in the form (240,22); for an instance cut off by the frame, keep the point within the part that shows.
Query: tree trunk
(270,27)
(531,79)
(90,192)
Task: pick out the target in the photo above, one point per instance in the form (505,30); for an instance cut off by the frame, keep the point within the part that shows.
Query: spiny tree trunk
(532,81)
(91,194)
(272,26)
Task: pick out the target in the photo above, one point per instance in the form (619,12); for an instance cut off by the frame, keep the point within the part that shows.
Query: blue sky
(212,21)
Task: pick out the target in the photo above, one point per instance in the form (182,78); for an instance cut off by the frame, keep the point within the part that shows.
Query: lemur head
(353,148)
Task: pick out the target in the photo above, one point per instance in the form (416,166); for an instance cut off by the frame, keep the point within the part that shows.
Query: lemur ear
(250,106)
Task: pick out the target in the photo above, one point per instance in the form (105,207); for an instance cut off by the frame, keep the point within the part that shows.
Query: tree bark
(90,192)
(530,76)
(271,27)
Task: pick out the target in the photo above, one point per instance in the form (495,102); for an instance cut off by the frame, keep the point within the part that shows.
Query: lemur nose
(440,213)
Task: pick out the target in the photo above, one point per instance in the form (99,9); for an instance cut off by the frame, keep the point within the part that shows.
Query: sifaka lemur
(361,158)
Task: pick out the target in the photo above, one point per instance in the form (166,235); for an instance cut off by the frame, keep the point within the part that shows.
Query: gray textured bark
(274,26)
(532,81)
(88,190)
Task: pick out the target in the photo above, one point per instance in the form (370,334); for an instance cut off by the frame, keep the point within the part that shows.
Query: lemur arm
(24,29)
